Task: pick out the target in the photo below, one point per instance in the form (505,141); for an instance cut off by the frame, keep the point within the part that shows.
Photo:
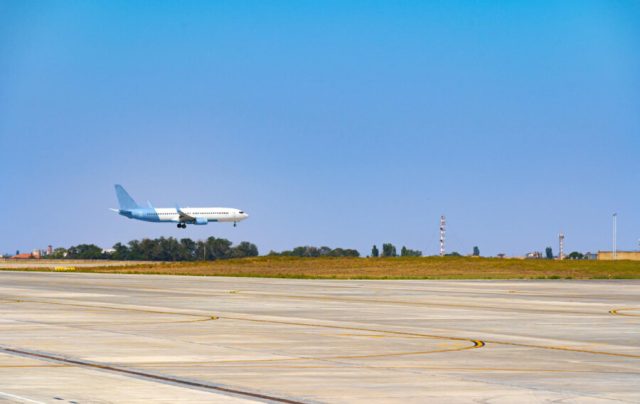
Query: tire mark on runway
(146,375)
(283,322)
(474,343)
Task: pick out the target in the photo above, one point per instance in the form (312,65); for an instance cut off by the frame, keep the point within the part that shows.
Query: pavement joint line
(321,283)
(453,369)
(485,341)
(33,366)
(146,375)
(369,301)
(407,303)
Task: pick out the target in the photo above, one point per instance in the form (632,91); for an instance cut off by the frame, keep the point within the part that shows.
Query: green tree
(407,252)
(59,253)
(374,252)
(313,252)
(325,251)
(85,252)
(344,252)
(146,249)
(575,256)
(548,252)
(187,249)
(135,250)
(476,251)
(389,250)
(244,249)
(121,252)
(218,248)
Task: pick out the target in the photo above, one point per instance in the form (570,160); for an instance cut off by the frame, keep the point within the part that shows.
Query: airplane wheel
(179,225)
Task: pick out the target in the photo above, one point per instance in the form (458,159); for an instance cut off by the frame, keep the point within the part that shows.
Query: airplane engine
(201,220)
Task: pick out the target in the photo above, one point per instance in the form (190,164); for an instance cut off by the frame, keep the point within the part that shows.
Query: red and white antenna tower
(443,229)
(561,251)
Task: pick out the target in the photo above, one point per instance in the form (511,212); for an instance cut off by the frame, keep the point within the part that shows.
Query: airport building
(620,255)
(24,256)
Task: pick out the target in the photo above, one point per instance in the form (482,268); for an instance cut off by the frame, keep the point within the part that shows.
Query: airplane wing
(183,217)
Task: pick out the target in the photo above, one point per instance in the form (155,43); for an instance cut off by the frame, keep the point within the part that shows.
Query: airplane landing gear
(182,225)
(235,224)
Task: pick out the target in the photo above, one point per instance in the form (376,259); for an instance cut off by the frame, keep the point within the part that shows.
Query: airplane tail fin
(125,201)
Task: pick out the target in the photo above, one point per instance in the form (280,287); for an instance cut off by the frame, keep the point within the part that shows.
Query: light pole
(615,220)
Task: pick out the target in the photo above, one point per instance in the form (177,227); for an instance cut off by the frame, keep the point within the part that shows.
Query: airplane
(181,216)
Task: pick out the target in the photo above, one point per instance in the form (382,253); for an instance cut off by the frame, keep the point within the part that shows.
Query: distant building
(620,255)
(22,257)
(49,249)
(37,254)
(590,256)
(533,255)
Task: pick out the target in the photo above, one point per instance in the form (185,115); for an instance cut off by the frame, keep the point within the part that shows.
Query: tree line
(161,249)
(310,251)
(389,250)
(186,249)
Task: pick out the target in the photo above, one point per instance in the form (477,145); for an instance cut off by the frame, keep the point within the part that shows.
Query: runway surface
(78,338)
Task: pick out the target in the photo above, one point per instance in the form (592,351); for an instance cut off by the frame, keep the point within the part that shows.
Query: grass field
(373,268)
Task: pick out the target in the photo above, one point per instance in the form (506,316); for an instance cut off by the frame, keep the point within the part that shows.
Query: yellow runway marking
(617,312)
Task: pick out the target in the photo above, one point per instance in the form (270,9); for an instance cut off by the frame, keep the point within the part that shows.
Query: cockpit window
(241,212)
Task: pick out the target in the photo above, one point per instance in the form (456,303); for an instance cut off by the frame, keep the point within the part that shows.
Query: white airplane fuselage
(182,216)
(199,215)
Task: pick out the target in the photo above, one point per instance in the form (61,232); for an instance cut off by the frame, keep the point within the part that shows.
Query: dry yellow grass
(389,268)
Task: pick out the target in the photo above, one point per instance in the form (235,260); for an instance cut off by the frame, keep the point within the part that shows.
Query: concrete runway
(78,338)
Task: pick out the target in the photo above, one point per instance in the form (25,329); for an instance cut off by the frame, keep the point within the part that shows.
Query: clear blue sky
(332,123)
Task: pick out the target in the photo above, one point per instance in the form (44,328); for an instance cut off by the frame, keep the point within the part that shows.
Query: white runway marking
(17,397)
